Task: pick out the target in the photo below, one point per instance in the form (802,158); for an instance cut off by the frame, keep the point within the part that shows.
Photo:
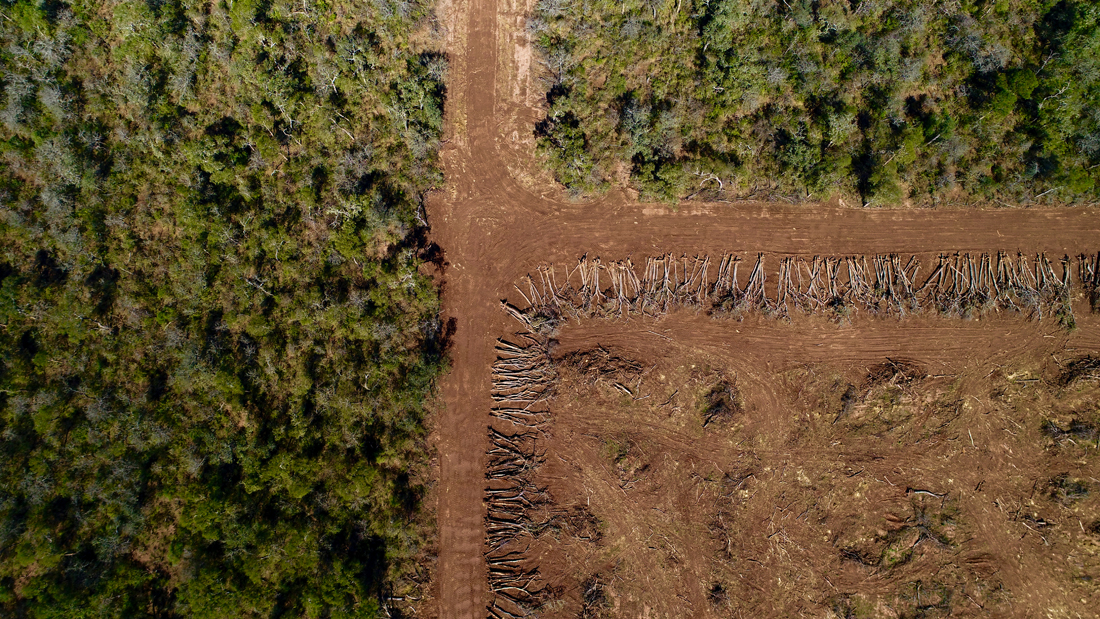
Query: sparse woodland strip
(961,285)
(726,100)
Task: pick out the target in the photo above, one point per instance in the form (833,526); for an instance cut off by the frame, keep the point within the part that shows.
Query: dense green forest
(216,345)
(878,101)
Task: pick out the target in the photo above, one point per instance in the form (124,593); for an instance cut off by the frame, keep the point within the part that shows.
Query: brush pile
(523,377)
(1090,280)
(960,285)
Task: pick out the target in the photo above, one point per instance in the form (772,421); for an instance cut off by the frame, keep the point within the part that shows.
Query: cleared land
(495,229)
(703,467)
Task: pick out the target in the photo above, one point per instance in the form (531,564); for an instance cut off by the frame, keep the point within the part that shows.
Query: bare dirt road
(497,219)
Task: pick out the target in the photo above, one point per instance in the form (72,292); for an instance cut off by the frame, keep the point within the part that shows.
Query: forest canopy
(216,343)
(877,101)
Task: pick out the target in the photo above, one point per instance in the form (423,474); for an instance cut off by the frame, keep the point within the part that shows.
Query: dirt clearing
(668,496)
(706,476)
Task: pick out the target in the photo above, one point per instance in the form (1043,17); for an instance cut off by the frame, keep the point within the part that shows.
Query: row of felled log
(962,285)
(522,379)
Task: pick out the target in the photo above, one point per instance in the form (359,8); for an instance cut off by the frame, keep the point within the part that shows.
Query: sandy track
(493,231)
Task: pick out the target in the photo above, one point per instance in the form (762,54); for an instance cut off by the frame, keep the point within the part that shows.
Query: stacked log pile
(523,377)
(961,285)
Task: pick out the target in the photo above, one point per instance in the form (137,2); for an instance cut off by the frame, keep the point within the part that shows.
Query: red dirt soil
(927,485)
(494,230)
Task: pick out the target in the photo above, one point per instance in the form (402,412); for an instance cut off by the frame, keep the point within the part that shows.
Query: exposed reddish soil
(494,230)
(949,471)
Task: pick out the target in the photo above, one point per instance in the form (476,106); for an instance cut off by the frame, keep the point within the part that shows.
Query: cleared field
(702,467)
(661,499)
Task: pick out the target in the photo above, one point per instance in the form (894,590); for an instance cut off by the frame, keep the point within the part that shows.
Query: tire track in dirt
(932,340)
(493,231)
